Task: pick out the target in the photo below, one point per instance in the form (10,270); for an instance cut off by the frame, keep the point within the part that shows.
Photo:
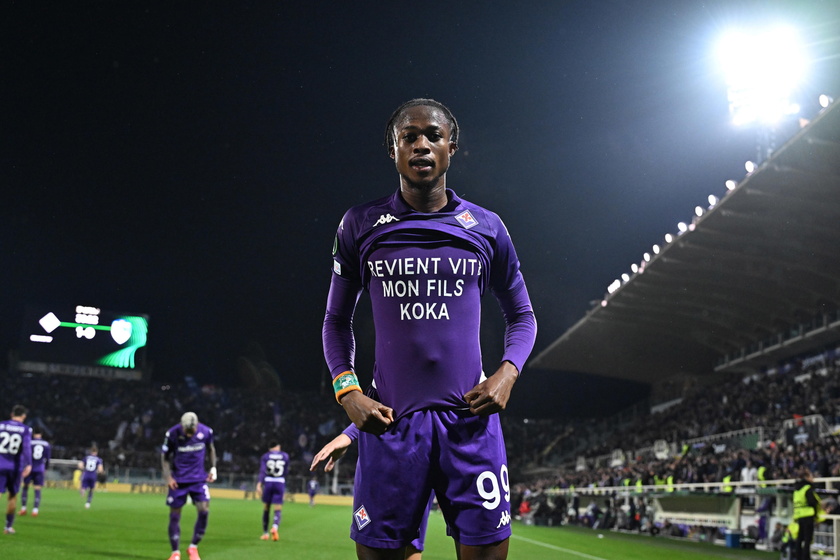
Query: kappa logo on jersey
(505,520)
(466,219)
(361,517)
(337,267)
(385,219)
(200,435)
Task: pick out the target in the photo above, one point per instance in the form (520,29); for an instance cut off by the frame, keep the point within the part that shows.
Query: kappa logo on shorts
(505,520)
(466,219)
(361,517)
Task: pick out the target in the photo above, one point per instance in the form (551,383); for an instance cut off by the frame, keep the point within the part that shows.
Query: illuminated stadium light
(668,238)
(825,100)
(656,249)
(763,69)
(683,227)
(730,184)
(634,268)
(646,256)
(614,286)
(750,166)
(625,277)
(712,200)
(698,211)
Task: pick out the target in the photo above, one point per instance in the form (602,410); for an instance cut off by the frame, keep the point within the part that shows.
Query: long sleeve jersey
(426,274)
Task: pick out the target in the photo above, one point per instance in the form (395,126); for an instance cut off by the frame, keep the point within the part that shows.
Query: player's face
(422,148)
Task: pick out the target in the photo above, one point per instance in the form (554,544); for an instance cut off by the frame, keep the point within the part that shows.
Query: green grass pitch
(134,526)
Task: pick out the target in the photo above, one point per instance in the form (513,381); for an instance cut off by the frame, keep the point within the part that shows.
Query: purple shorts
(197,491)
(458,455)
(9,480)
(35,478)
(273,492)
(88,482)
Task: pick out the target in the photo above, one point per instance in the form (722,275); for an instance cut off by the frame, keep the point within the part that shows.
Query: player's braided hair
(453,124)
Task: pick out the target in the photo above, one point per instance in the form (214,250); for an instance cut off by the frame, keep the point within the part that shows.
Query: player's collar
(402,207)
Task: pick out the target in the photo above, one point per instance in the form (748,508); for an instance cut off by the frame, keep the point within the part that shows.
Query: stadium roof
(755,279)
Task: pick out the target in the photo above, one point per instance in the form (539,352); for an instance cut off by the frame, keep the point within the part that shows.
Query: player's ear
(391,152)
(453,147)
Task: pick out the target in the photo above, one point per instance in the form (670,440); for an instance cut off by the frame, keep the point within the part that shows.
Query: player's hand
(211,476)
(367,414)
(26,470)
(172,484)
(259,490)
(331,452)
(492,395)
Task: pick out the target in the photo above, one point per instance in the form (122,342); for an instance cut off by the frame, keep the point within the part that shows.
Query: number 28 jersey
(15,446)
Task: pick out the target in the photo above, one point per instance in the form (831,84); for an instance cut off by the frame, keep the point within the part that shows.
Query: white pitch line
(557,548)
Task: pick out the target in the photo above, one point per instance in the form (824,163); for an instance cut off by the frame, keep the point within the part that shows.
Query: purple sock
(23,495)
(277,516)
(37,498)
(200,526)
(174,529)
(265,521)
(10,518)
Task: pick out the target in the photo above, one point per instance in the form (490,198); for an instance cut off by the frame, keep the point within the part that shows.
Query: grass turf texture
(134,526)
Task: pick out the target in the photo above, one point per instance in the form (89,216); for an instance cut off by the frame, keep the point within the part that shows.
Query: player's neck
(425,198)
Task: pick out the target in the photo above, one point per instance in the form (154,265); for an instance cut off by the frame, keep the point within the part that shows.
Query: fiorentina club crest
(361,517)
(466,219)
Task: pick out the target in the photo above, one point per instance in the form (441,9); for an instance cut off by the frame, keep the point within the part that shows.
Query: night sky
(191,161)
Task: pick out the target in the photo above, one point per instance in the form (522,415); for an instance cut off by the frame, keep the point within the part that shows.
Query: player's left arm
(508,286)
(211,476)
(492,395)
(26,448)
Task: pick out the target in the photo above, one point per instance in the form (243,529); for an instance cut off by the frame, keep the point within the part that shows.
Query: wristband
(344,383)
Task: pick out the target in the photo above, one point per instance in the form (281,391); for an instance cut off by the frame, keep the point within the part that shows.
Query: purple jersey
(425,273)
(91,465)
(40,455)
(273,466)
(186,454)
(15,449)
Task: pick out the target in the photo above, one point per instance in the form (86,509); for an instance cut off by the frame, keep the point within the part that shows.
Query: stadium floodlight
(668,238)
(625,277)
(762,69)
(750,166)
(730,184)
(656,249)
(825,100)
(634,268)
(698,211)
(682,227)
(712,200)
(646,257)
(614,286)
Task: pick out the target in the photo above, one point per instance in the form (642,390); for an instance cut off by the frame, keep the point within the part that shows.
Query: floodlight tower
(763,69)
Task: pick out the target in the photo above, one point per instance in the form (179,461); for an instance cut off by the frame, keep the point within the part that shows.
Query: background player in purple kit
(40,463)
(312,488)
(271,487)
(15,460)
(91,467)
(183,459)
(426,256)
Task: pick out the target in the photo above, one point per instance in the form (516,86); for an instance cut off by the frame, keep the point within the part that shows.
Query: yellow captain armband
(344,383)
